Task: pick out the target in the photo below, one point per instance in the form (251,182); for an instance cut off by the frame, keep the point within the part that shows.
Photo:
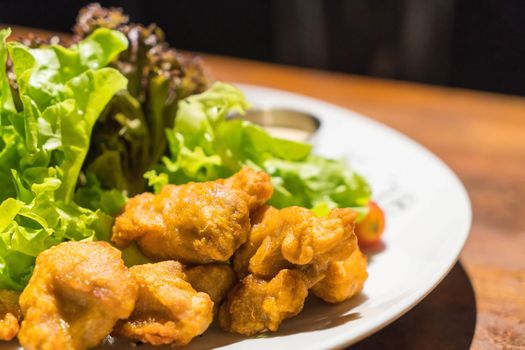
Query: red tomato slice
(369,230)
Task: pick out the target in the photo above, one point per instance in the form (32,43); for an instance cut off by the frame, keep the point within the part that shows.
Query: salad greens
(129,136)
(76,140)
(204,145)
(44,141)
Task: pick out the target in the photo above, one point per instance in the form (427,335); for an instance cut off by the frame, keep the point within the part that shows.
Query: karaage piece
(216,280)
(255,183)
(343,280)
(295,237)
(195,223)
(168,310)
(256,305)
(77,293)
(9,314)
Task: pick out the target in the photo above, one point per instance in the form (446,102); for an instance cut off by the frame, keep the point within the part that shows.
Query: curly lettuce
(44,142)
(205,145)
(55,188)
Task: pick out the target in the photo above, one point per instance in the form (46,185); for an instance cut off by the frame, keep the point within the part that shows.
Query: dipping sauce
(288,133)
(283,123)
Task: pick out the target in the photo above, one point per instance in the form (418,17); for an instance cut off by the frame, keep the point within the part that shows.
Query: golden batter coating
(168,310)
(344,279)
(288,251)
(77,293)
(9,314)
(196,223)
(256,305)
(216,280)
(255,183)
(295,237)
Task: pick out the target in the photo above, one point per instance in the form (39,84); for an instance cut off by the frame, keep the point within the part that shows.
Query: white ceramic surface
(428,220)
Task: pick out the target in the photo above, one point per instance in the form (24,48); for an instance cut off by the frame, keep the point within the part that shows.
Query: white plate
(428,220)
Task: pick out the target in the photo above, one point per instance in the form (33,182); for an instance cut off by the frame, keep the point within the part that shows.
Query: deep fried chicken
(344,279)
(77,293)
(216,280)
(9,314)
(168,310)
(295,237)
(256,305)
(194,223)
(288,251)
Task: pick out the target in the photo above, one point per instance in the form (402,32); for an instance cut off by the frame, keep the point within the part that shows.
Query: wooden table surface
(481,136)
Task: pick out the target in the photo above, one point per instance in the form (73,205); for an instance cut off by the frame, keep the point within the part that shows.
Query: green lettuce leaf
(43,146)
(205,145)
(6,99)
(129,138)
(120,152)
(91,195)
(26,229)
(63,93)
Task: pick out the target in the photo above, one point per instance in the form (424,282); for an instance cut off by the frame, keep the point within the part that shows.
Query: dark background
(478,44)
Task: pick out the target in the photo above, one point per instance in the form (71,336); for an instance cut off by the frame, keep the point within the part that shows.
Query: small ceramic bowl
(283,123)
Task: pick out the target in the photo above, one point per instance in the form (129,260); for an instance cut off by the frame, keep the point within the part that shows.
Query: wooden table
(481,303)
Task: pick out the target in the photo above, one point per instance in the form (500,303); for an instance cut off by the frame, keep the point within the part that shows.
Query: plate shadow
(445,319)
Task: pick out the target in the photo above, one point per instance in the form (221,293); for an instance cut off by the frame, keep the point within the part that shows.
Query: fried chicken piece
(168,310)
(295,237)
(77,293)
(9,314)
(256,305)
(289,251)
(196,223)
(216,280)
(344,279)
(256,184)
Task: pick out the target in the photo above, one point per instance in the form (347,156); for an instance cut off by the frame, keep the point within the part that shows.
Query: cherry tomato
(369,230)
